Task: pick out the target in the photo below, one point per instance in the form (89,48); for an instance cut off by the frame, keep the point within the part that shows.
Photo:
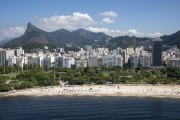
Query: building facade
(157,52)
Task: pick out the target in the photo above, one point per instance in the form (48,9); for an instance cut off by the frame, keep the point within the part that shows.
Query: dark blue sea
(89,108)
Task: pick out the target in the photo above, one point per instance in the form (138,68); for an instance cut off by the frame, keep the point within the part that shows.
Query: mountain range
(37,38)
(171,40)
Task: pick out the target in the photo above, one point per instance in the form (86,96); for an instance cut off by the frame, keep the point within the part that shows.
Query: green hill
(37,38)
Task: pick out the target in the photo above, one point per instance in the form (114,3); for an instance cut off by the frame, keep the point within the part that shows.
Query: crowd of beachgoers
(98,90)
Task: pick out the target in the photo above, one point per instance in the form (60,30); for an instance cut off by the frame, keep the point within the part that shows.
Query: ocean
(89,108)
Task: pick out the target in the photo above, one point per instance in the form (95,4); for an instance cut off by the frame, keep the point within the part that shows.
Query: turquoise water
(89,108)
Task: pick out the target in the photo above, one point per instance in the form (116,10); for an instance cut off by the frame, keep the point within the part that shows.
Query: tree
(4,87)
(26,84)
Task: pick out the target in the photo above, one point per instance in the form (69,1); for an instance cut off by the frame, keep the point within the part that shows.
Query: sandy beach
(101,90)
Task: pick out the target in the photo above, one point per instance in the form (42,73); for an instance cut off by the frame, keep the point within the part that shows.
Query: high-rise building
(107,60)
(134,60)
(144,60)
(118,60)
(40,61)
(119,50)
(157,52)
(174,62)
(2,57)
(11,61)
(93,61)
(125,56)
(18,51)
(80,63)
(138,50)
(5,54)
(68,62)
(129,50)
(49,61)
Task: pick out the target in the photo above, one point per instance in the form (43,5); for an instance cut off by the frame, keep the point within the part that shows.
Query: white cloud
(70,22)
(107,20)
(131,32)
(11,32)
(109,14)
(75,21)
(141,34)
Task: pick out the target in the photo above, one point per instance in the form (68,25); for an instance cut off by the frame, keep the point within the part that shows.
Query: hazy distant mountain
(125,41)
(128,41)
(5,40)
(37,38)
(171,40)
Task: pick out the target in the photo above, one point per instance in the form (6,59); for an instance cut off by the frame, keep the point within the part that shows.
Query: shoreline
(159,91)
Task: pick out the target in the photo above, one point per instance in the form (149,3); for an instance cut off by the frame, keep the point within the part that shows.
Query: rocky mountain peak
(30,27)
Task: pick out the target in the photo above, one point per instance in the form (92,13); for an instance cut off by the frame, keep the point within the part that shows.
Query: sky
(141,18)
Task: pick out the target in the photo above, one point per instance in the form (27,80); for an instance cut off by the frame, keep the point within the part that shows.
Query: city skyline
(141,18)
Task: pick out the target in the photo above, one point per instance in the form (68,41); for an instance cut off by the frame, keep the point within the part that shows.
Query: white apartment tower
(93,61)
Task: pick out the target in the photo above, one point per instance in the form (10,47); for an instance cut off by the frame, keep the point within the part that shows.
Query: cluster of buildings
(171,57)
(83,58)
(158,56)
(134,57)
(137,57)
